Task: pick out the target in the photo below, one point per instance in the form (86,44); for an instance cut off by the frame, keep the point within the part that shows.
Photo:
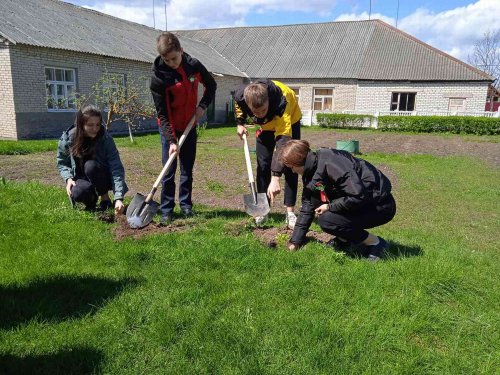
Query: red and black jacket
(175,93)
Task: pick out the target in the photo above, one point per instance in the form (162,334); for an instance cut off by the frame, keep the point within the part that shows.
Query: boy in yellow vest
(274,107)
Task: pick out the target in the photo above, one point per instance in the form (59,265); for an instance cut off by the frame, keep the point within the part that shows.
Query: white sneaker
(259,220)
(291,219)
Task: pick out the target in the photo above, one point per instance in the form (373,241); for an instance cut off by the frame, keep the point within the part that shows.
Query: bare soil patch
(123,229)
(272,237)
(220,179)
(278,237)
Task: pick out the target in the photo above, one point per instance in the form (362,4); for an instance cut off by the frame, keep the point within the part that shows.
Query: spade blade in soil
(261,208)
(140,213)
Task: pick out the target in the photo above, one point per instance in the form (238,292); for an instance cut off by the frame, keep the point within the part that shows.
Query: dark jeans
(95,181)
(265,146)
(351,225)
(187,156)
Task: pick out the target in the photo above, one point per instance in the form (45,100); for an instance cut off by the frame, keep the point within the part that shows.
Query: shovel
(256,204)
(142,209)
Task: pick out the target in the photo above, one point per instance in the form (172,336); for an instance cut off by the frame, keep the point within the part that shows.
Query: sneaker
(166,219)
(259,220)
(105,205)
(187,212)
(291,219)
(338,244)
(375,252)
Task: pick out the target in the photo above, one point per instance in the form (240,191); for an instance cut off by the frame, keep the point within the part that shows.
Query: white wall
(430,96)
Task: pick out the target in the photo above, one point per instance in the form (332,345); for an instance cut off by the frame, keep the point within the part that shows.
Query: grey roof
(366,50)
(56,24)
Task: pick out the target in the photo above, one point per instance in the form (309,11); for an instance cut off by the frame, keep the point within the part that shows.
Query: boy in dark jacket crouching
(349,195)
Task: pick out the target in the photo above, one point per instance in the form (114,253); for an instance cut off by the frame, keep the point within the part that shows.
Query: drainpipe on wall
(375,121)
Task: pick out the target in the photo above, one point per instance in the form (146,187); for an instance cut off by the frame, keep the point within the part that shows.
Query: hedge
(418,124)
(339,120)
(441,124)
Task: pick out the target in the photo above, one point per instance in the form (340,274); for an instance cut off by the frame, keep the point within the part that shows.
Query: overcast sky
(450,25)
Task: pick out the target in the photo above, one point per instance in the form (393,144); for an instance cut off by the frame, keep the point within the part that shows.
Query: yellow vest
(283,125)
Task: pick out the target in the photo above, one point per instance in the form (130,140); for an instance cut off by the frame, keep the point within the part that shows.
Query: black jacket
(344,182)
(163,89)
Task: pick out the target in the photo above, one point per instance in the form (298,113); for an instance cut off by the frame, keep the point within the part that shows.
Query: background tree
(127,102)
(486,55)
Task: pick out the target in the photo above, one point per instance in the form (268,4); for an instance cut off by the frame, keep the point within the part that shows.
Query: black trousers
(187,157)
(95,181)
(351,226)
(265,145)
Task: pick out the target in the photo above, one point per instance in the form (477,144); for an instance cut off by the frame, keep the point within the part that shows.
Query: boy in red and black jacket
(174,86)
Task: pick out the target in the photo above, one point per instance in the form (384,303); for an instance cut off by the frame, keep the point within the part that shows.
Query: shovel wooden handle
(247,159)
(170,160)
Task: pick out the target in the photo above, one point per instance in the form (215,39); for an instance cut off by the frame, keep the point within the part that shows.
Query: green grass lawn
(145,140)
(151,140)
(74,300)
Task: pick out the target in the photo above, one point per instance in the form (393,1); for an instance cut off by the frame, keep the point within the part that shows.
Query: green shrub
(340,120)
(441,124)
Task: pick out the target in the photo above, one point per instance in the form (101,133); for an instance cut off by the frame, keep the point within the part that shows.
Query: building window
(456,105)
(323,99)
(296,90)
(403,101)
(60,86)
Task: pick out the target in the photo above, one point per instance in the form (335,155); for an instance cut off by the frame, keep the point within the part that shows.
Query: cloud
(136,14)
(364,16)
(194,14)
(454,31)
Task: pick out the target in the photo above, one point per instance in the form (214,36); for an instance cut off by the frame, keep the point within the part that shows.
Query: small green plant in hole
(282,239)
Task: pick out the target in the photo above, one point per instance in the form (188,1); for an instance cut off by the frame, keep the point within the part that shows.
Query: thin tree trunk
(130,133)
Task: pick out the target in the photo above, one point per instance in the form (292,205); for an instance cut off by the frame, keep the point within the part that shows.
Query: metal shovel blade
(261,208)
(140,213)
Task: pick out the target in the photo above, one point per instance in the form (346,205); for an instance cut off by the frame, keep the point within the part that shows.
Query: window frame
(322,97)
(456,98)
(397,103)
(296,90)
(65,84)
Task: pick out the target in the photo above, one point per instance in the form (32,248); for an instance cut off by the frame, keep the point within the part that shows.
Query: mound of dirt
(123,229)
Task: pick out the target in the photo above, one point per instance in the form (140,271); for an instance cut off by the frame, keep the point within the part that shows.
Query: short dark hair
(167,42)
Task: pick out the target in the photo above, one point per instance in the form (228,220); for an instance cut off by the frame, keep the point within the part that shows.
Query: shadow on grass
(224,214)
(72,361)
(395,250)
(57,299)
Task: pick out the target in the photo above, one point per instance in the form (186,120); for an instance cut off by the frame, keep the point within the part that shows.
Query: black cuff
(202,106)
(277,174)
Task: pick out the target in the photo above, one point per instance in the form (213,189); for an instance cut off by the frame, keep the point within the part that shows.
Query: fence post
(497,113)
(375,121)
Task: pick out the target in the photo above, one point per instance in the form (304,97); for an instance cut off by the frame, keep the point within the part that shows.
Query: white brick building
(338,66)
